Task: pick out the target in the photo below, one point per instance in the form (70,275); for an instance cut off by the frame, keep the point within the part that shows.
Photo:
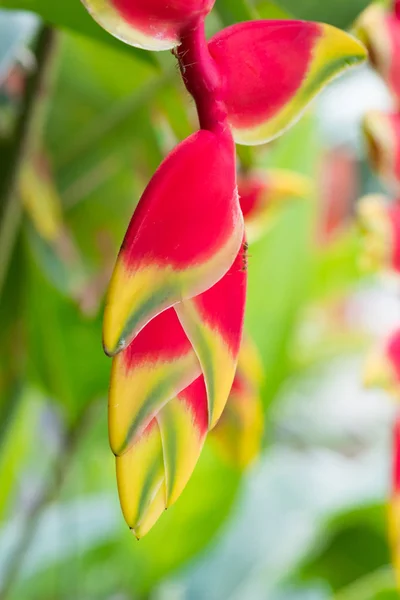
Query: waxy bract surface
(183,237)
(271,70)
(148,24)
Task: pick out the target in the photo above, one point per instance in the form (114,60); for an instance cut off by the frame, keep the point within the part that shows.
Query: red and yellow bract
(149,24)
(273,69)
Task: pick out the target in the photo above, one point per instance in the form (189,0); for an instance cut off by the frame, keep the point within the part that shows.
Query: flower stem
(202,78)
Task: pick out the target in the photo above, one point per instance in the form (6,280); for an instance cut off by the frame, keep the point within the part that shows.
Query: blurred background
(84,123)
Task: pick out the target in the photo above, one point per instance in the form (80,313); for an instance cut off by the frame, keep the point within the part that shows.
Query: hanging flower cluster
(379,28)
(175,306)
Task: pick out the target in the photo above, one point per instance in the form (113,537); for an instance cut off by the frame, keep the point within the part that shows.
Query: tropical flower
(379,222)
(175,306)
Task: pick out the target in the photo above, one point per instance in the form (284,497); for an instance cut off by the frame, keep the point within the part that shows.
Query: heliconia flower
(380,228)
(183,237)
(382,367)
(213,322)
(261,191)
(175,307)
(153,24)
(239,432)
(271,70)
(394,506)
(382,134)
(379,29)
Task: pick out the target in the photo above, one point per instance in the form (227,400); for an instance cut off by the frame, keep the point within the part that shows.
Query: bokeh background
(84,123)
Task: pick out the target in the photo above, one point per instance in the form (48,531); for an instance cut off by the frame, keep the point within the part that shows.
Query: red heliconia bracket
(175,307)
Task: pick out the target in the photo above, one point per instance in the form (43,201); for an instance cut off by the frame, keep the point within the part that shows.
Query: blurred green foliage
(113,114)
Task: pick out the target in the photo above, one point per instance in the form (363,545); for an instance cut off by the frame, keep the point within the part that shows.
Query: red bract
(213,322)
(184,235)
(272,69)
(149,24)
(158,364)
(175,307)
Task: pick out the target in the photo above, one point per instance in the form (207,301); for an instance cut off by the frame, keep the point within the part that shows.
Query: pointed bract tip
(344,45)
(134,533)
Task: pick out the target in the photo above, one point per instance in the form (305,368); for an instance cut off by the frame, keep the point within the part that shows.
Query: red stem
(396,8)
(202,78)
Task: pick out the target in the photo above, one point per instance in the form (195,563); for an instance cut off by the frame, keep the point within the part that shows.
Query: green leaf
(16,446)
(341,13)
(72,15)
(280,264)
(232,12)
(354,545)
(64,350)
(86,534)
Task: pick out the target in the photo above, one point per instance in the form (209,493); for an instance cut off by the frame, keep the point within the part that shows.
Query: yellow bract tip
(336,44)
